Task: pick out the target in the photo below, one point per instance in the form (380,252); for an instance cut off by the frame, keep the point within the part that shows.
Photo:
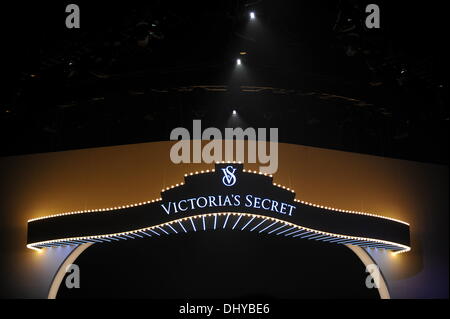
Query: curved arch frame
(315,233)
(315,222)
(249,194)
(383,289)
(59,276)
(365,258)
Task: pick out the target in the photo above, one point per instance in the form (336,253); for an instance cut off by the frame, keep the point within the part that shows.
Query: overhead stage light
(234,112)
(252,15)
(238,62)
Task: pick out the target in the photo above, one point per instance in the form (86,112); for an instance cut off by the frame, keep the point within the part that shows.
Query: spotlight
(234,112)
(252,15)
(238,62)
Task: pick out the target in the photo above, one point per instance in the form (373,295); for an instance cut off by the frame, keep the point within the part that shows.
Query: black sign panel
(225,197)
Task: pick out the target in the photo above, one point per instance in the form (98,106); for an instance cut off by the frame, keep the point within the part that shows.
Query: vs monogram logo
(229,179)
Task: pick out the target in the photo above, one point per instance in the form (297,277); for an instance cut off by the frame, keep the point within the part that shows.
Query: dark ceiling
(136,70)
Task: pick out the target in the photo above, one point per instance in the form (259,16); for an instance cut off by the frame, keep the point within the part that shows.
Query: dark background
(135,70)
(220,264)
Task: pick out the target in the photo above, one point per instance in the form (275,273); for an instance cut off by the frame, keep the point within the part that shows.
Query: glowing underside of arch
(274,226)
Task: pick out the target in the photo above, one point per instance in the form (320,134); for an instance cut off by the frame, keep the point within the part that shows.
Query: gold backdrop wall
(42,184)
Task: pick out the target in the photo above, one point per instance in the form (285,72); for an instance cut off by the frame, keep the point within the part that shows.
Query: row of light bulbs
(293,191)
(316,232)
(212,171)
(97,210)
(350,211)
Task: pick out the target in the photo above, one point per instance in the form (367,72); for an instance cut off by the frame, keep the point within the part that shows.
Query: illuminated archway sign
(227,197)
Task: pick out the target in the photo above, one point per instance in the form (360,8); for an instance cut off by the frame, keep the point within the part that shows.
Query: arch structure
(226,197)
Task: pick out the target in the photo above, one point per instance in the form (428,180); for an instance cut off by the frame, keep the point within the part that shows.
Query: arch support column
(366,259)
(50,268)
